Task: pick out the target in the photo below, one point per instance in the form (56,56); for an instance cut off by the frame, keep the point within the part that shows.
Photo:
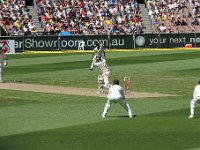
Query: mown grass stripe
(54,121)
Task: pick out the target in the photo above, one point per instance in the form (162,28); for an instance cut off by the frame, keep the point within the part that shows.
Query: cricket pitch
(72,90)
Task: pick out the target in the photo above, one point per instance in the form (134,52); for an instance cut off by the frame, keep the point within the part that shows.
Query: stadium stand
(177,16)
(15,18)
(92,17)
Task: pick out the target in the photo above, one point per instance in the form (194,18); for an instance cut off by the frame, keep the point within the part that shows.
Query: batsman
(97,54)
(103,79)
(116,95)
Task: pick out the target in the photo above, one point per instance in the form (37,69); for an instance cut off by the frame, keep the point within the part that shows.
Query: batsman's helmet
(98,58)
(116,81)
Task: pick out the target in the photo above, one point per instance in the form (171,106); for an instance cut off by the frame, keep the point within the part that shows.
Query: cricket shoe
(91,69)
(103,116)
(132,116)
(191,116)
(100,92)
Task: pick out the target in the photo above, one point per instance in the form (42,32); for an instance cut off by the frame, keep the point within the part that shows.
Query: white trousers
(193,104)
(1,71)
(94,63)
(105,76)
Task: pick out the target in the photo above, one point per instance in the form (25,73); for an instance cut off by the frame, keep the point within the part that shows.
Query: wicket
(127,85)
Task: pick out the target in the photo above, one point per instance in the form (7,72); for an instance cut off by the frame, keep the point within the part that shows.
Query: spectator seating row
(14,17)
(88,17)
(174,16)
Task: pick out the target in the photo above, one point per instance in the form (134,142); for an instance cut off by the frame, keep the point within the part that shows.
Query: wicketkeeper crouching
(116,95)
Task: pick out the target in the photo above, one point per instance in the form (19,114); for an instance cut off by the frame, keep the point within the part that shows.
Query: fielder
(116,95)
(3,62)
(196,98)
(97,54)
(81,45)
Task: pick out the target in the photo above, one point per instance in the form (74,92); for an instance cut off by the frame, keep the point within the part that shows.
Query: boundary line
(113,50)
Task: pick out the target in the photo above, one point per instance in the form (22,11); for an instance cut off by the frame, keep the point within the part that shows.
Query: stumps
(127,85)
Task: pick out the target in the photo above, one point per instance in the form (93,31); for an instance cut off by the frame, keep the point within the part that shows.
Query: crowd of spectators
(15,18)
(178,16)
(100,17)
(90,17)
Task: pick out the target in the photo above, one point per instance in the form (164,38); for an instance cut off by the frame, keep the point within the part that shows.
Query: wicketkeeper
(116,95)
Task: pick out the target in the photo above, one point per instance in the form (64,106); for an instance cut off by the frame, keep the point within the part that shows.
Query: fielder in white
(99,51)
(196,98)
(116,95)
(3,62)
(81,45)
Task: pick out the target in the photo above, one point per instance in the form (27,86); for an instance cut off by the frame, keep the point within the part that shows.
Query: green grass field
(44,121)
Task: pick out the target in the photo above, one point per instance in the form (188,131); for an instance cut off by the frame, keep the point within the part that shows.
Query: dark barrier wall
(71,42)
(37,43)
(41,43)
(196,40)
(109,41)
(166,40)
(45,43)
(18,42)
(145,41)
(121,42)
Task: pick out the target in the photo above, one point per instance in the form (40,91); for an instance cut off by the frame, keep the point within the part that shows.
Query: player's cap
(116,81)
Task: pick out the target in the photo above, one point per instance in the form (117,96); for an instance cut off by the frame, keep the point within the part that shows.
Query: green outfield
(48,121)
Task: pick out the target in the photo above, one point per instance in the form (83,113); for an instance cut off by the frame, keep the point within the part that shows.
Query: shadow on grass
(163,130)
(14,101)
(125,116)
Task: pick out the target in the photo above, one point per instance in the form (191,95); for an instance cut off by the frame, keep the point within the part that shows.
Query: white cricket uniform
(105,72)
(100,84)
(81,45)
(196,97)
(3,62)
(116,95)
(97,53)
